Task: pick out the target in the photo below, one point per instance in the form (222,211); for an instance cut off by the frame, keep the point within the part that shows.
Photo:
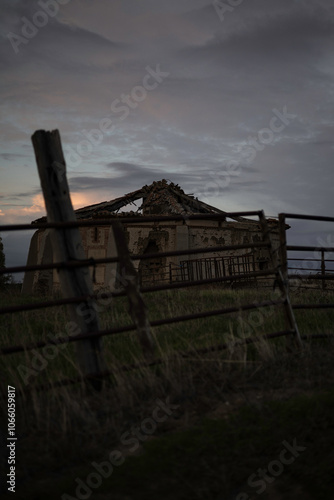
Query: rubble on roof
(159,198)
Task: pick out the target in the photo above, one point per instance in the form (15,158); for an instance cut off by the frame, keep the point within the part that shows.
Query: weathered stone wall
(144,238)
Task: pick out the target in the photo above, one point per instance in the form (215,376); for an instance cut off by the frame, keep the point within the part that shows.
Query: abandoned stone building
(159,198)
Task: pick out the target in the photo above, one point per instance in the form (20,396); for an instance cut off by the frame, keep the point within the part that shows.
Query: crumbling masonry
(159,198)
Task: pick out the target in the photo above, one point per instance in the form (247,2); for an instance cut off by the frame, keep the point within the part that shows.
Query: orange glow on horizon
(37,208)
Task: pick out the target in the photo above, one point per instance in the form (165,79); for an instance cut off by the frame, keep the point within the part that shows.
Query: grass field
(234,407)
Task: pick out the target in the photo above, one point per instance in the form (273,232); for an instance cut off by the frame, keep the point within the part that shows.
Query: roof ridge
(159,198)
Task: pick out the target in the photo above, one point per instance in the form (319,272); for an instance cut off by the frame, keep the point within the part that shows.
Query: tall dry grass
(67,426)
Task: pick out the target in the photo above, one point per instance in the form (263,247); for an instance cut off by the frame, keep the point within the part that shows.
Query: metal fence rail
(128,328)
(323,274)
(128,220)
(111,260)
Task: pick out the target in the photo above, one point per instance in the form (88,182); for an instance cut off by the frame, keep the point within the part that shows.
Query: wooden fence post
(67,246)
(281,282)
(129,278)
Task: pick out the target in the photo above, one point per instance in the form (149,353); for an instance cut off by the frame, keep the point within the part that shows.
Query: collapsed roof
(159,198)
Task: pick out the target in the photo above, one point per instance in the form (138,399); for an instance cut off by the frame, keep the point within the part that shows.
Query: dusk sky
(232,100)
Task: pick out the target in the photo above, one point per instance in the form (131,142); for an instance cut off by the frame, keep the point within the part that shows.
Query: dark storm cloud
(25,194)
(270,45)
(124,168)
(79,48)
(129,177)
(128,181)
(85,183)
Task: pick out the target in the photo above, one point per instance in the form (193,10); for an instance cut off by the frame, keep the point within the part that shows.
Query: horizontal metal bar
(110,260)
(295,248)
(49,303)
(220,248)
(127,220)
(309,217)
(303,269)
(305,259)
(186,284)
(106,295)
(127,328)
(309,260)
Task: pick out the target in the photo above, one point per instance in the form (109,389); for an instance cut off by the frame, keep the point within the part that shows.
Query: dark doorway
(151,271)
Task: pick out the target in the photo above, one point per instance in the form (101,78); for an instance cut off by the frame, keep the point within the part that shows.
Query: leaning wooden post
(129,278)
(282,284)
(67,246)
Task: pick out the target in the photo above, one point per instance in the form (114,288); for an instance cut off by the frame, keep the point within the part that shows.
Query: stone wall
(144,238)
